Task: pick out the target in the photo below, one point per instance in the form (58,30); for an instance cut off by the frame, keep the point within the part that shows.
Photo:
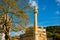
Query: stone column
(35,23)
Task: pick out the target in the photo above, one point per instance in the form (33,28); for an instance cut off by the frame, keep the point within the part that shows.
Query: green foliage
(57,35)
(53,31)
(49,34)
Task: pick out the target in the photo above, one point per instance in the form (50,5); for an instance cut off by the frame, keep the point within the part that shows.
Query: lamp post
(35,24)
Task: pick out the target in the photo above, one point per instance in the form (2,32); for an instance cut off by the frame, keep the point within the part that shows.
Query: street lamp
(35,23)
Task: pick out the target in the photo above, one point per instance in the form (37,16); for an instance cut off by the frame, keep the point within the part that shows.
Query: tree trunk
(7,27)
(7,36)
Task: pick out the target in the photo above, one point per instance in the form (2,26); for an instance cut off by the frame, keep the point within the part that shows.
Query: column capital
(35,10)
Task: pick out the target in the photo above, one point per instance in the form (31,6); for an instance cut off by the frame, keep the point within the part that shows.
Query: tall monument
(35,23)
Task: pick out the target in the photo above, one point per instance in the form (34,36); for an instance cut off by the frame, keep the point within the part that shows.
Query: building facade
(29,35)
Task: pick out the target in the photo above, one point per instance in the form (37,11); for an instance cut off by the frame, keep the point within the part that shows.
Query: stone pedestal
(2,36)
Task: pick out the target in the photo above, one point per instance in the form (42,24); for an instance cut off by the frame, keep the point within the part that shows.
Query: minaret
(35,23)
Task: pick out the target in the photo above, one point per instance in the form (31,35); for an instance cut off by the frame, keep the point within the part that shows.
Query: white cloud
(58,1)
(57,12)
(33,3)
(16,33)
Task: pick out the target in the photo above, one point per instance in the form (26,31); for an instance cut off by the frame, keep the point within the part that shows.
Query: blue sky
(48,13)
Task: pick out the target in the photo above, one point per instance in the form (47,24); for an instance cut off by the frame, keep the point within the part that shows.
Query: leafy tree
(18,9)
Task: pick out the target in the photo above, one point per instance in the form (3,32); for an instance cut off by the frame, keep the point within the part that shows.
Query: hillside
(53,32)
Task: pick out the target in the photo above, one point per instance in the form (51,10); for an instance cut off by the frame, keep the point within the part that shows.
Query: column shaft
(35,26)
